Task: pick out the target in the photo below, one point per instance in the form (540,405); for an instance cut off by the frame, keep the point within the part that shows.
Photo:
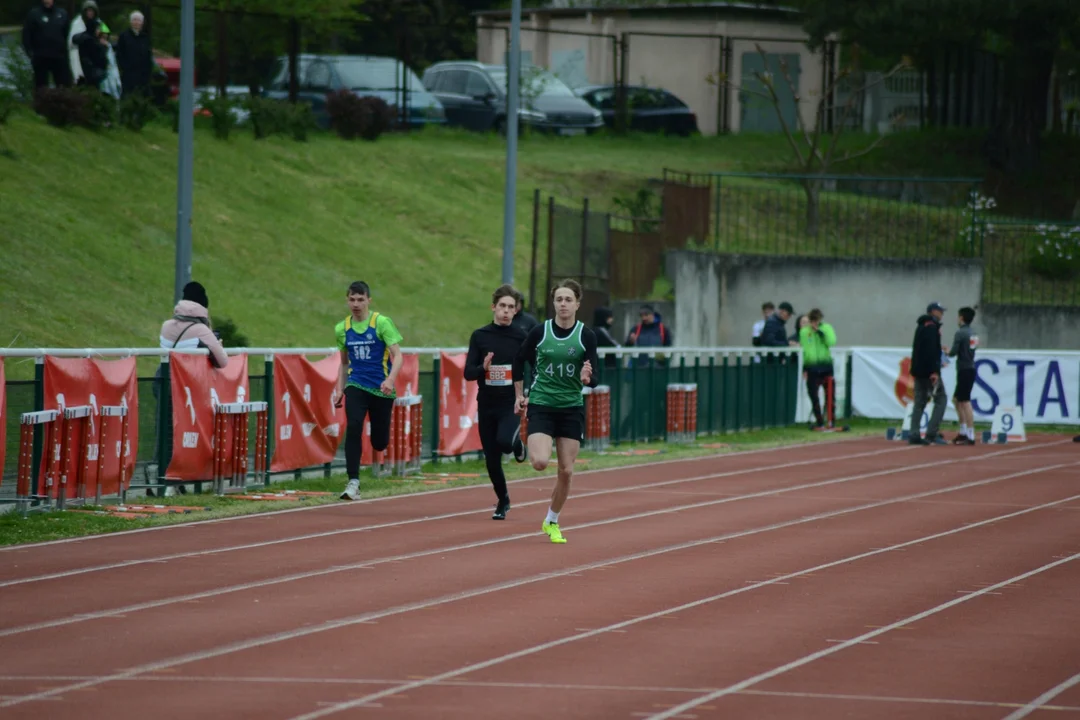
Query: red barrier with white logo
(458,430)
(307,426)
(197,388)
(71,382)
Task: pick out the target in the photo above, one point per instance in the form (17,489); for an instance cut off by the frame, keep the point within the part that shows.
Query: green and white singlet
(558,369)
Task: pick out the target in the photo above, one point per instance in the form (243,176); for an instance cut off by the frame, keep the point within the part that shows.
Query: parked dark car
(474,97)
(364,75)
(651,109)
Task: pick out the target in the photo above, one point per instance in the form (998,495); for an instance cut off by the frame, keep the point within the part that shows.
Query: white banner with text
(1043,385)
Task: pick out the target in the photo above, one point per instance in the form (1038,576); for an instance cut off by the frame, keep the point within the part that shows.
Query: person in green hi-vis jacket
(816,338)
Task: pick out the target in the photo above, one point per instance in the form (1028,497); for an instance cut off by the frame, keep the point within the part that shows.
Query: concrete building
(681,48)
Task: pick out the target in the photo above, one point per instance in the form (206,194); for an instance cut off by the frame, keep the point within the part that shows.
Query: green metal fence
(835,215)
(1029,262)
(738,390)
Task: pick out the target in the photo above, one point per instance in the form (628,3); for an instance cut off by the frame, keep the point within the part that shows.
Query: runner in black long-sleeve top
(492,350)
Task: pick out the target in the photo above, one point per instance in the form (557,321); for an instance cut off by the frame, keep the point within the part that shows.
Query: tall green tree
(1028,36)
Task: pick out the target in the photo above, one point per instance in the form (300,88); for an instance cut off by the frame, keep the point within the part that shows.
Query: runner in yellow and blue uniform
(370,348)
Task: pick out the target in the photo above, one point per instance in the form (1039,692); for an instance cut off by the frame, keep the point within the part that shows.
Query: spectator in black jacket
(44,37)
(93,48)
(926,353)
(603,319)
(134,57)
(774,334)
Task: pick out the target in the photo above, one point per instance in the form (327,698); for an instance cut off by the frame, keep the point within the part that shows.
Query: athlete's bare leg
(539,450)
(568,451)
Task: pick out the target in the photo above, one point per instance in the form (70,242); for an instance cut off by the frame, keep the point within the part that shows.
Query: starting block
(904,431)
(989,438)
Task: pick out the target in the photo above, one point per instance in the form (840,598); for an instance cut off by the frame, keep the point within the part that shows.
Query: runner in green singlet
(563,353)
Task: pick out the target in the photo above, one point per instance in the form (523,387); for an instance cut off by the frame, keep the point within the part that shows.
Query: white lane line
(1041,701)
(289,635)
(425,553)
(369,564)
(432,518)
(408,496)
(687,606)
(594,493)
(812,657)
(568,687)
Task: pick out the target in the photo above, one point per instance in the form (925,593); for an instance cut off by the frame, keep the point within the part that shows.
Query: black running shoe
(520,451)
(500,509)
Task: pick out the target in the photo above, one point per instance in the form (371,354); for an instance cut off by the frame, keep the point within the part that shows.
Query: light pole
(513,71)
(186,154)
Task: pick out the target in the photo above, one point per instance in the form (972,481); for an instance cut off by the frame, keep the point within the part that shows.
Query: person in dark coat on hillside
(44,37)
(603,320)
(650,332)
(926,353)
(134,57)
(93,48)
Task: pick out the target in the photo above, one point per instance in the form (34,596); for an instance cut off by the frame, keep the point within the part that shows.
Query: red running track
(848,579)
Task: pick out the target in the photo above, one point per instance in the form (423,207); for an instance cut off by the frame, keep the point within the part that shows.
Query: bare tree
(814,149)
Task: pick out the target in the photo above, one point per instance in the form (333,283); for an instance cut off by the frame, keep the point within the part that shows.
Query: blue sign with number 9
(1007,422)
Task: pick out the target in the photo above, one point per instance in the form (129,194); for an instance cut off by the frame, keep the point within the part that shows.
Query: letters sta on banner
(458,430)
(1043,387)
(71,382)
(197,388)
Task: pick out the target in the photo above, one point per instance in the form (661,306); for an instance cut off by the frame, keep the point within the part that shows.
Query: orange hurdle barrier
(404,453)
(231,423)
(597,417)
(75,422)
(108,412)
(681,413)
(24,478)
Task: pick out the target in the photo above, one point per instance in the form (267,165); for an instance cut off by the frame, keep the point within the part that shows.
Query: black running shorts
(965,380)
(557,422)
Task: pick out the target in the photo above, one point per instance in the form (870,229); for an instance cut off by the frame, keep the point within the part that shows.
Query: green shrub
(8,101)
(1054,252)
(22,74)
(229,334)
(219,109)
(301,121)
(136,111)
(101,108)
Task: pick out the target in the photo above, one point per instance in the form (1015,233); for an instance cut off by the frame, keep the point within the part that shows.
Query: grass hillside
(280,228)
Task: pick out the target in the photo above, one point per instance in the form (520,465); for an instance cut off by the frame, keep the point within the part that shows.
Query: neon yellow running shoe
(553,532)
